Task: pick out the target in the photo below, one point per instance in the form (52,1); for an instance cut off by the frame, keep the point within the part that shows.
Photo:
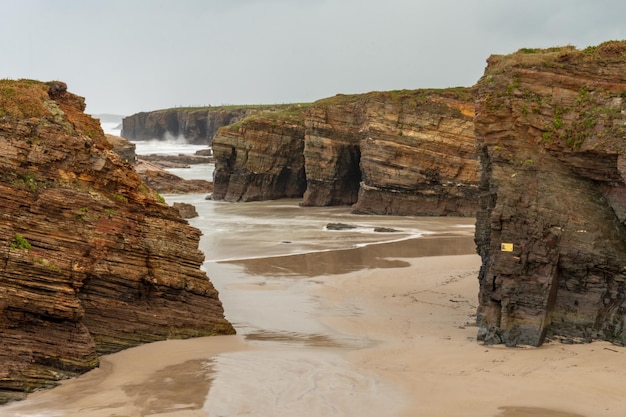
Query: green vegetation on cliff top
(23,98)
(294,109)
(293,113)
(230,107)
(416,96)
(593,120)
(559,56)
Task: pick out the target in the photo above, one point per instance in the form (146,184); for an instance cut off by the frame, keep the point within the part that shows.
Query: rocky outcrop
(260,158)
(400,152)
(163,181)
(122,147)
(551,126)
(186,210)
(92,260)
(194,125)
(177,161)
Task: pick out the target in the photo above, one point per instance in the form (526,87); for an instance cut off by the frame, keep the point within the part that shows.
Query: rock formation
(186,210)
(93,261)
(551,131)
(400,152)
(122,147)
(177,161)
(163,181)
(403,153)
(260,158)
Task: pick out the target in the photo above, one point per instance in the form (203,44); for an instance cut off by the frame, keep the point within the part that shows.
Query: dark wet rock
(182,159)
(339,226)
(165,182)
(385,230)
(204,152)
(186,210)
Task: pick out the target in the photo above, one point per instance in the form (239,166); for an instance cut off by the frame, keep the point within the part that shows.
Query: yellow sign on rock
(506,247)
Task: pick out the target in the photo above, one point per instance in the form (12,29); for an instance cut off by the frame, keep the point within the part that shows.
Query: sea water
(167,146)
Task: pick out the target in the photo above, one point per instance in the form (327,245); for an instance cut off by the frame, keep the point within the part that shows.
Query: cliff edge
(551,132)
(93,261)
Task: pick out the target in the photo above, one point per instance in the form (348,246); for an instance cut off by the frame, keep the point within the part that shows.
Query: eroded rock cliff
(401,152)
(551,131)
(92,260)
(260,158)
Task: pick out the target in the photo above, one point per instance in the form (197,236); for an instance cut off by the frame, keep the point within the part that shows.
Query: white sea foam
(169,147)
(112,128)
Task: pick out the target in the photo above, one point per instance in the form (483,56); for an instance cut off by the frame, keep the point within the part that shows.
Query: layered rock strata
(260,158)
(401,152)
(551,131)
(92,260)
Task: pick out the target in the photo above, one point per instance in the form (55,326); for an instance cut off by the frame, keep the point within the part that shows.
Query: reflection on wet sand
(533,412)
(319,340)
(177,387)
(167,378)
(383,255)
(300,382)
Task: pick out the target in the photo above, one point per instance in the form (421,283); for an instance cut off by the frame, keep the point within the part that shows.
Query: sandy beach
(361,332)
(424,317)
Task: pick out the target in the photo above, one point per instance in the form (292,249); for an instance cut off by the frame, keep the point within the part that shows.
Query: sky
(128,56)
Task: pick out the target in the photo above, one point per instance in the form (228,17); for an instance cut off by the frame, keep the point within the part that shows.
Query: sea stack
(551,132)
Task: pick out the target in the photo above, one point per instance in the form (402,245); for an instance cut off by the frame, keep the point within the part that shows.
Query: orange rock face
(93,261)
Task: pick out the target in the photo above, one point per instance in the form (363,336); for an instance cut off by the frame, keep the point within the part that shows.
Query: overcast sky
(127,56)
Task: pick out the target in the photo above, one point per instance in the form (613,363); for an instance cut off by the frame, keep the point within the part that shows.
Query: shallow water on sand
(266,260)
(235,231)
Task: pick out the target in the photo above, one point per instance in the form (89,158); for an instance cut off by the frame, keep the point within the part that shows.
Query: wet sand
(423,317)
(383,330)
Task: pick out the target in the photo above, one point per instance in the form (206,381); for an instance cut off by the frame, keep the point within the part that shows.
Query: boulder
(186,210)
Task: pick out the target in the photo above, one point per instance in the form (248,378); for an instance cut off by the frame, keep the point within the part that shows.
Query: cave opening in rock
(349,176)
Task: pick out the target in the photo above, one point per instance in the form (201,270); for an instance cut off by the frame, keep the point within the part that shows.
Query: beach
(392,341)
(425,316)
